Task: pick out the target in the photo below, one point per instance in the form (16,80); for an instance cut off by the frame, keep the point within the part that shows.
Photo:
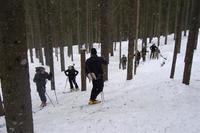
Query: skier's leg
(98,88)
(42,97)
(74,81)
(71,84)
(94,90)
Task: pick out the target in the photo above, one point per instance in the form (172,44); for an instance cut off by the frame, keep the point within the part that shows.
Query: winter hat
(93,51)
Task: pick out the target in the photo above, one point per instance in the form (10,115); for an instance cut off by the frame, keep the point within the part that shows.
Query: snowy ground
(150,103)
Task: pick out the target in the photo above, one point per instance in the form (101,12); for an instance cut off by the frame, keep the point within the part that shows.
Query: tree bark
(178,40)
(132,33)
(179,25)
(194,27)
(50,41)
(15,72)
(104,34)
(167,20)
(83,75)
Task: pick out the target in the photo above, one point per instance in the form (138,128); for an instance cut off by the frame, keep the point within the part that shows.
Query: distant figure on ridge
(153,50)
(123,60)
(137,57)
(144,52)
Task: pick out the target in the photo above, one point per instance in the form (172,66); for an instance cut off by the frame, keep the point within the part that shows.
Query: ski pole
(50,99)
(163,57)
(102,96)
(66,83)
(56,96)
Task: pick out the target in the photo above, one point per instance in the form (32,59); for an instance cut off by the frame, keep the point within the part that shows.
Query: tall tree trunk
(41,59)
(194,27)
(29,30)
(176,18)
(104,34)
(179,25)
(167,20)
(196,39)
(159,21)
(178,40)
(132,30)
(83,75)
(137,24)
(120,53)
(62,58)
(61,37)
(120,36)
(187,6)
(15,72)
(87,26)
(137,29)
(78,26)
(50,40)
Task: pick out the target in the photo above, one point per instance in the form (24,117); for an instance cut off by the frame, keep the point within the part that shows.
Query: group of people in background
(94,72)
(138,55)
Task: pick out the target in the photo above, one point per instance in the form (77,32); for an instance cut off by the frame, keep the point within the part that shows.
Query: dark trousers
(73,81)
(152,55)
(41,92)
(143,57)
(123,66)
(97,88)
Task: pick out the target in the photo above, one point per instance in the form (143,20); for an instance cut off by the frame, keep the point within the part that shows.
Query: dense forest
(50,25)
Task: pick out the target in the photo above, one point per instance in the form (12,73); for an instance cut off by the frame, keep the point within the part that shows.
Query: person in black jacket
(93,67)
(137,57)
(40,79)
(72,73)
(143,52)
(123,60)
(153,50)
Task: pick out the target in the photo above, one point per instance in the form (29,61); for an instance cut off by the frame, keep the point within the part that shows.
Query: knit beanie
(93,51)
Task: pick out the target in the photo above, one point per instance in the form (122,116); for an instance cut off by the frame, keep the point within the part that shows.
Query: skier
(157,52)
(40,79)
(72,73)
(144,51)
(124,60)
(93,68)
(137,57)
(153,49)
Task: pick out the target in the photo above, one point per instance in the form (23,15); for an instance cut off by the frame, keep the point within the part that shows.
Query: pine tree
(15,72)
(194,27)
(104,33)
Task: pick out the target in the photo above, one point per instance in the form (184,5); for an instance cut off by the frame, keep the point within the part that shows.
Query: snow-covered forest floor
(150,103)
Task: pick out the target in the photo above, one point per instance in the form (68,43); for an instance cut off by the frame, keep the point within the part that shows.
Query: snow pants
(71,82)
(123,66)
(97,88)
(41,92)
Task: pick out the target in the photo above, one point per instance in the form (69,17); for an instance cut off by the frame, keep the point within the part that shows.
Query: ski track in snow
(150,103)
